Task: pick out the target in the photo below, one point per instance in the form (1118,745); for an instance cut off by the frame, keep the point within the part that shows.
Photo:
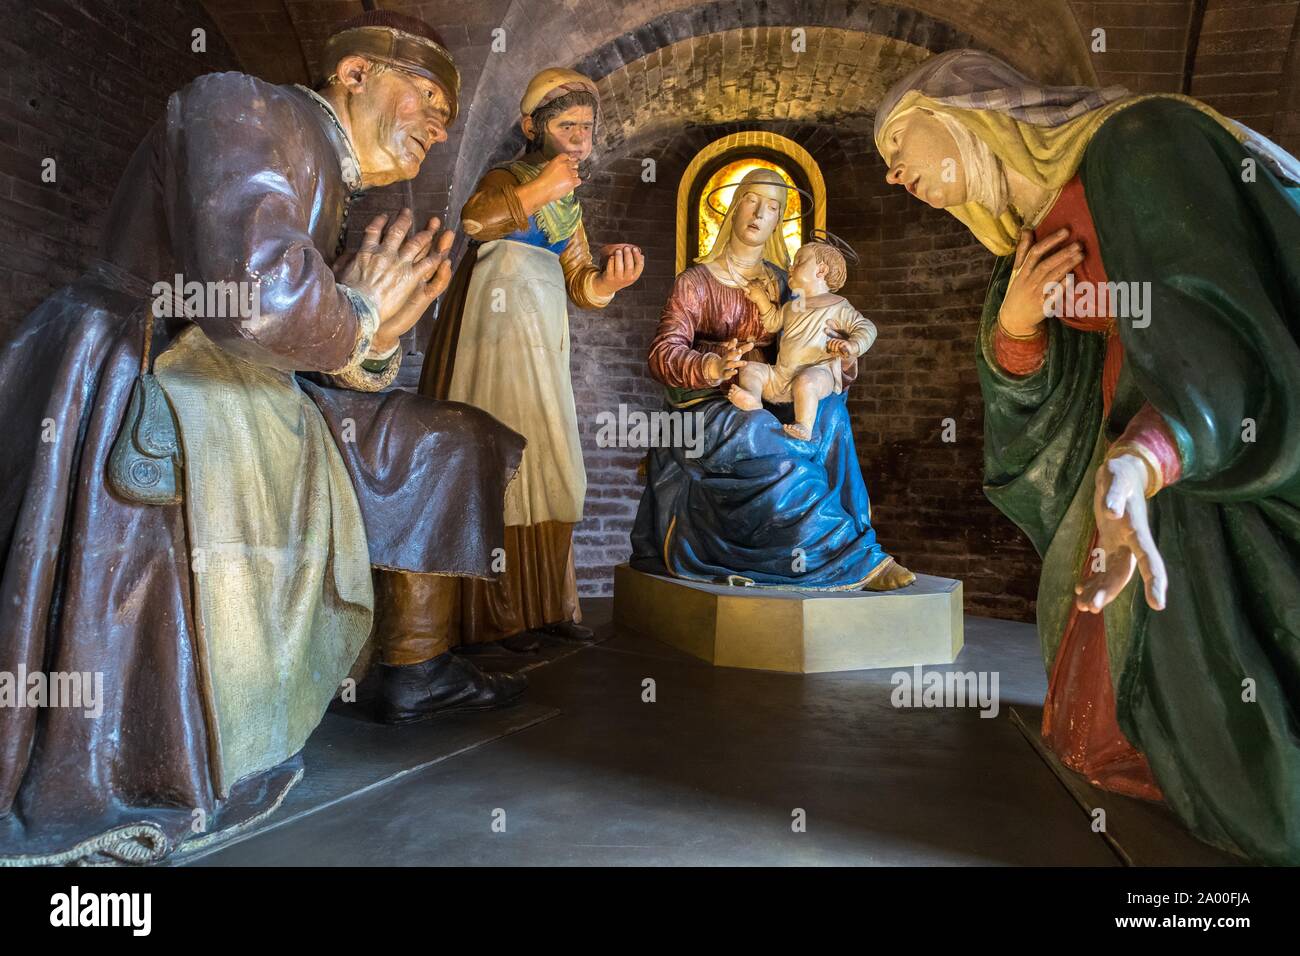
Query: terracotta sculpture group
(222,571)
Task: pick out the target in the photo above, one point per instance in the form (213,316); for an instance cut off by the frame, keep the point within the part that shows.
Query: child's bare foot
(801,432)
(744,400)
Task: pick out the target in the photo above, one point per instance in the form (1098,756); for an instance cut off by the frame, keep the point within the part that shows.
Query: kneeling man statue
(201,469)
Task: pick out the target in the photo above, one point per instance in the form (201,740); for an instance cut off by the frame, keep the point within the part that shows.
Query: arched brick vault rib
(748,75)
(1039,36)
(745,75)
(280,40)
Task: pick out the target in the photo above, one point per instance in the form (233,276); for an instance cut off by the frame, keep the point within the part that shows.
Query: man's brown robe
(241,179)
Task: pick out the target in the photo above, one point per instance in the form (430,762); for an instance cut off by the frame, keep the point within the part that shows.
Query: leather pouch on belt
(145,462)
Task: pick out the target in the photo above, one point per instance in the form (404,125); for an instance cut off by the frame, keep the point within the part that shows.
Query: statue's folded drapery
(198,734)
(755,503)
(758,504)
(1207,689)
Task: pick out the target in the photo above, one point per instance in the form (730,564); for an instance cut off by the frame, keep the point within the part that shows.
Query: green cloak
(1207,689)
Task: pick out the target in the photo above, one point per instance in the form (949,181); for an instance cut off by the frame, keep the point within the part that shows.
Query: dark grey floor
(712,772)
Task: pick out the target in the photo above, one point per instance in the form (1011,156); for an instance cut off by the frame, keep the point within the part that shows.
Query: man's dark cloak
(241,180)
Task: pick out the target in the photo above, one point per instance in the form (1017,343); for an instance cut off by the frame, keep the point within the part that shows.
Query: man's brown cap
(404,42)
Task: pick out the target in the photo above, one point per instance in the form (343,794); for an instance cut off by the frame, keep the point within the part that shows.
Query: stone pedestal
(798,632)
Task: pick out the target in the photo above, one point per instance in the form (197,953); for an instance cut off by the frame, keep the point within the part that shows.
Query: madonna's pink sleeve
(673,359)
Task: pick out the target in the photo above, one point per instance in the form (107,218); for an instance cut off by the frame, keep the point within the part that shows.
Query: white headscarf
(986,180)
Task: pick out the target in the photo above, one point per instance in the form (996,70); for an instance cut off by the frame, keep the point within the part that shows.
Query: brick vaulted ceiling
(664,62)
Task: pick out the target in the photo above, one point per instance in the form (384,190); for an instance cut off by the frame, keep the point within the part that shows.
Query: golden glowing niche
(785,148)
(710,202)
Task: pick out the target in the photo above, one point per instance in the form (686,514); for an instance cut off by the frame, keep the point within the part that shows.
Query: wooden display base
(798,632)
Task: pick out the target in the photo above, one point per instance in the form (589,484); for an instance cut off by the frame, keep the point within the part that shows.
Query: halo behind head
(765,182)
(841,246)
(756,179)
(837,272)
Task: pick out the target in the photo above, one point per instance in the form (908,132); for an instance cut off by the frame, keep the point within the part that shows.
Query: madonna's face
(758,214)
(923,158)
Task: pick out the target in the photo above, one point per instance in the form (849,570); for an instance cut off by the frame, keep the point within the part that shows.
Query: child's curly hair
(837,270)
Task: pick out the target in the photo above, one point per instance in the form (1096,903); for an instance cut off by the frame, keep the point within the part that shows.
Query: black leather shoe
(568,631)
(445,685)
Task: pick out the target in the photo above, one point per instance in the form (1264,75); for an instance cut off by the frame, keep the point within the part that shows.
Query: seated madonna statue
(755,505)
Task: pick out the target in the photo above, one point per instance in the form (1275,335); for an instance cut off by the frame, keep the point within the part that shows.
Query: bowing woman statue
(1159,434)
(756,506)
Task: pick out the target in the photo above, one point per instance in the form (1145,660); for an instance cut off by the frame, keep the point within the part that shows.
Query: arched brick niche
(673,85)
(922,280)
(733,146)
(661,46)
(707,63)
(742,73)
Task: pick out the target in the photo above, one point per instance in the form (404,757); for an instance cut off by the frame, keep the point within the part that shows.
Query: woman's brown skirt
(539,586)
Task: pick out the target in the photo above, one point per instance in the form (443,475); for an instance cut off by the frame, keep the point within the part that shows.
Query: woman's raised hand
(623,265)
(1037,266)
(558,178)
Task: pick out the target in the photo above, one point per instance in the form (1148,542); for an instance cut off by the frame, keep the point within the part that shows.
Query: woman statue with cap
(502,344)
(757,506)
(1141,414)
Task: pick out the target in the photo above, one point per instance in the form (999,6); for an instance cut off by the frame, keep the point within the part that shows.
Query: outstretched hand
(1123,537)
(720,366)
(623,265)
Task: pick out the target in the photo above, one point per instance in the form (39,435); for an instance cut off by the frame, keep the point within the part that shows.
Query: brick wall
(610,346)
(922,281)
(1145,42)
(85,83)
(1286,126)
(1240,66)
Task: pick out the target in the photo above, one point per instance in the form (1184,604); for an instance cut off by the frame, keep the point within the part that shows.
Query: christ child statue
(819,331)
